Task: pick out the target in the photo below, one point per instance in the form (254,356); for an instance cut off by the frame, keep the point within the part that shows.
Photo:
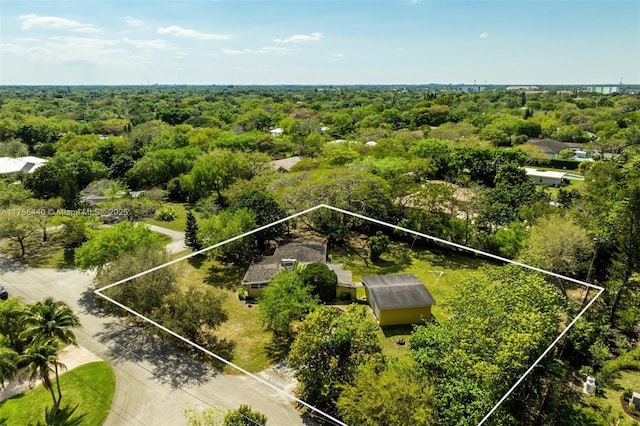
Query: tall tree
(8,364)
(41,358)
(51,319)
(106,245)
(502,320)
(214,172)
(191,232)
(321,279)
(387,395)
(285,300)
(328,349)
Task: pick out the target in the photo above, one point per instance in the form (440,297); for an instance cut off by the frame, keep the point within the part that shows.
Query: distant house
(398,299)
(10,166)
(263,269)
(276,132)
(284,165)
(546,177)
(551,147)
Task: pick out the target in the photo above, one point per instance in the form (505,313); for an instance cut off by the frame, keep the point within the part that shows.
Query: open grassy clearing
(439,271)
(90,387)
(178,223)
(243,326)
(611,398)
(51,254)
(42,254)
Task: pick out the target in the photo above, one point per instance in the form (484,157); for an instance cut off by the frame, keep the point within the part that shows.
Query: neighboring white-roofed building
(10,166)
(546,177)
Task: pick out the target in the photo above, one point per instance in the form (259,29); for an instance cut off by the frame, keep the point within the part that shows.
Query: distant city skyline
(319,42)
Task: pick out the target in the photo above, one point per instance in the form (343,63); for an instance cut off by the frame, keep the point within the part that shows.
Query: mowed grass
(439,271)
(179,223)
(243,326)
(42,254)
(90,387)
(627,380)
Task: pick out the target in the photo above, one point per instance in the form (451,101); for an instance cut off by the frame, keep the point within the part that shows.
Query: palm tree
(51,319)
(41,357)
(8,364)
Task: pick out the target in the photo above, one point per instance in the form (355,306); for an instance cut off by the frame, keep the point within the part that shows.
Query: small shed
(635,400)
(398,299)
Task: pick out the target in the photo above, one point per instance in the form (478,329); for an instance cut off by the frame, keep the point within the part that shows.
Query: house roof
(29,164)
(345,276)
(552,146)
(544,173)
(286,164)
(398,291)
(264,268)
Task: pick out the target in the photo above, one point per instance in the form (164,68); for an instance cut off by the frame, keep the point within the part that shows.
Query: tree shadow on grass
(68,260)
(197,261)
(277,349)
(227,277)
(62,416)
(167,363)
(397,330)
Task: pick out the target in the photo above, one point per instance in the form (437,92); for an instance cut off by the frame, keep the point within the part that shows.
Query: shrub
(242,294)
(165,214)
(627,394)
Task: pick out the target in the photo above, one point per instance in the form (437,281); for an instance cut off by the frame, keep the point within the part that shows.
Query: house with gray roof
(398,299)
(263,269)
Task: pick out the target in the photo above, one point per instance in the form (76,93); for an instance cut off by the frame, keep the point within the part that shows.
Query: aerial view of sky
(314,42)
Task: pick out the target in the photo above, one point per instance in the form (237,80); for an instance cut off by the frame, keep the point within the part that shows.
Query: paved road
(155,382)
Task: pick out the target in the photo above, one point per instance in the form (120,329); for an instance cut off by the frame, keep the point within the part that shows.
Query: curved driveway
(154,382)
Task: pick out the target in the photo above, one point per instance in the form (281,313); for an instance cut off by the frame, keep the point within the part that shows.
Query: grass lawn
(437,270)
(178,223)
(52,254)
(90,386)
(612,394)
(243,326)
(38,254)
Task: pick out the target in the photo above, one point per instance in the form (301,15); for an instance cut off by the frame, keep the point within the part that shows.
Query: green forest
(216,162)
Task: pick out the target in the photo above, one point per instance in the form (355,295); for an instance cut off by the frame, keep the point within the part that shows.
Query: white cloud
(484,35)
(273,49)
(236,51)
(262,50)
(133,22)
(189,33)
(335,57)
(300,38)
(155,44)
(65,50)
(33,20)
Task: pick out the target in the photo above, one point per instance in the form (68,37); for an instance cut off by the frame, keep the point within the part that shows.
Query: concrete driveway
(177,238)
(154,381)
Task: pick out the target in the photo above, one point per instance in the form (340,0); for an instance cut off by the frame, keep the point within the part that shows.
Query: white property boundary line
(379,222)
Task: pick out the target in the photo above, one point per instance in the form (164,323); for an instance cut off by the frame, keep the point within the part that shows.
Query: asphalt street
(154,381)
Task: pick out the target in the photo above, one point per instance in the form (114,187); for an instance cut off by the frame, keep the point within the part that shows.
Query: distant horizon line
(314,85)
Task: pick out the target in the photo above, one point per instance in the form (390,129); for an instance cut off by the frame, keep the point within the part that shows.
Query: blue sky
(319,42)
